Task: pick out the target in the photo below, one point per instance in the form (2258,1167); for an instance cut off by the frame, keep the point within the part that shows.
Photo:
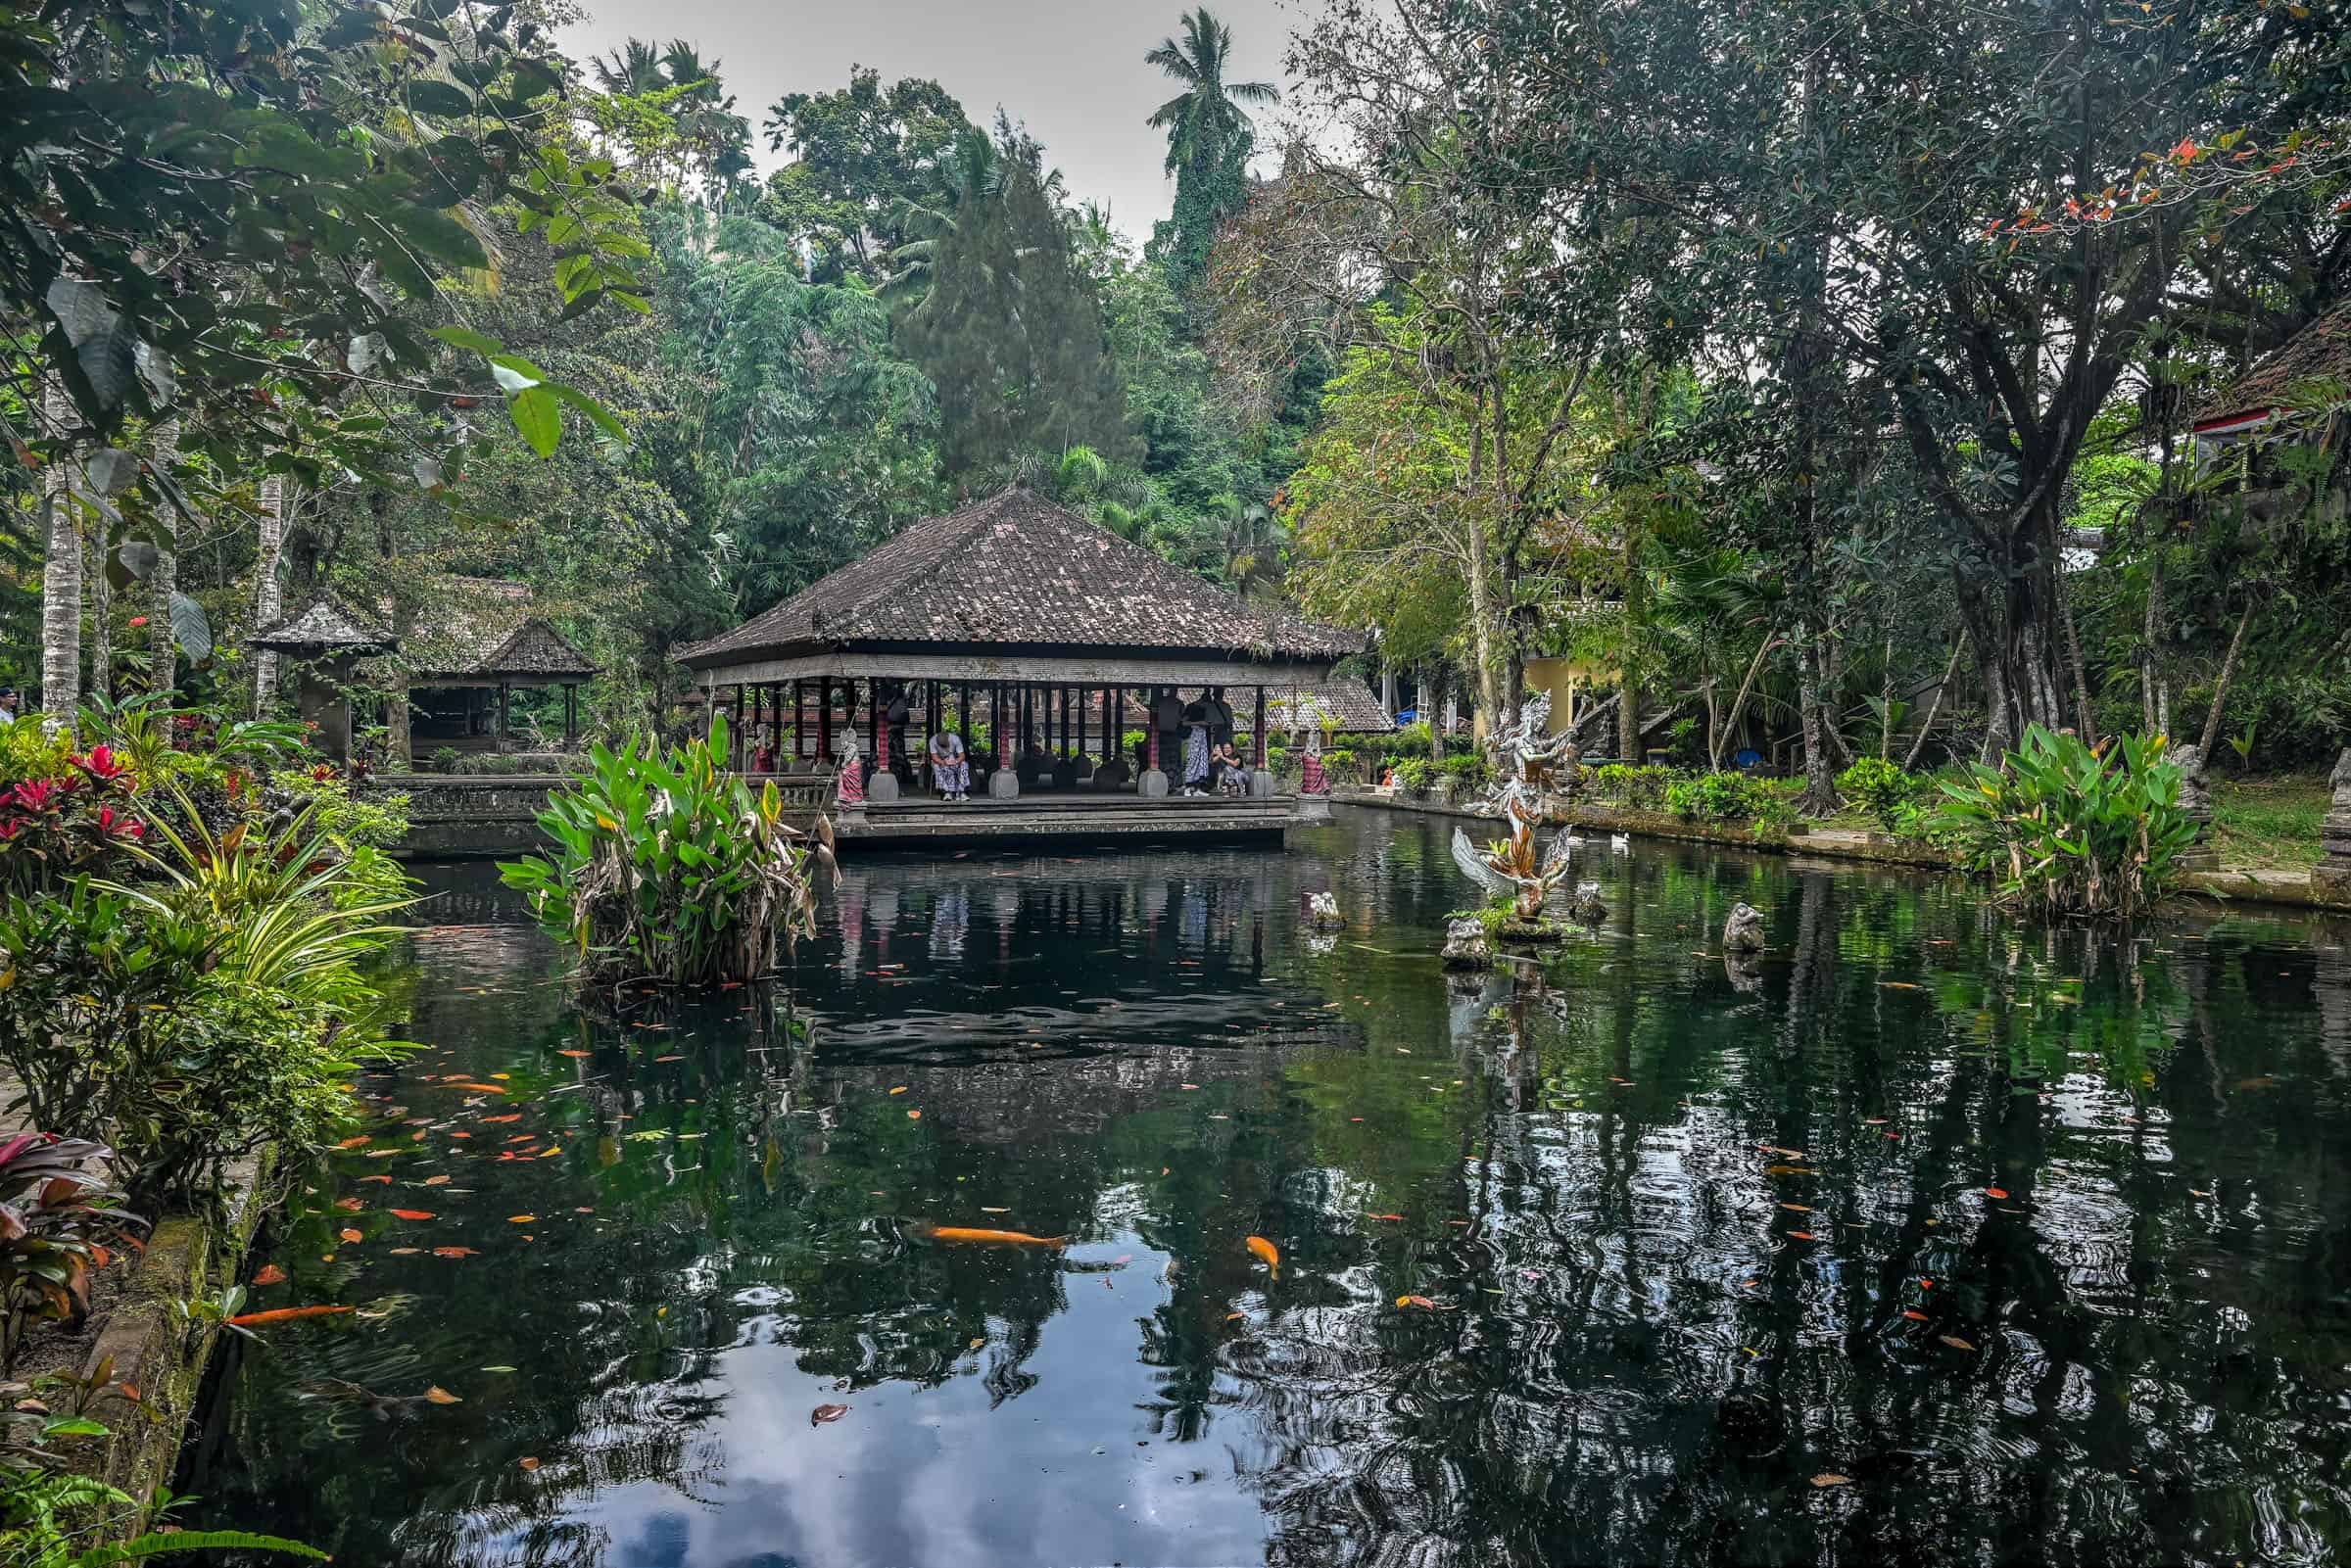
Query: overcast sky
(1072,69)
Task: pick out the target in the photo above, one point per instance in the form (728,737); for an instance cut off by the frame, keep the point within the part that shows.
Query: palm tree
(1205,123)
(635,69)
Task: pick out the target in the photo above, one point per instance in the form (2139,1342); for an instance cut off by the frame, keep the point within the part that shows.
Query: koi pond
(1929,1238)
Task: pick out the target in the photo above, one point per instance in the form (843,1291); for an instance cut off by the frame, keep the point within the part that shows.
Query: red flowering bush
(62,810)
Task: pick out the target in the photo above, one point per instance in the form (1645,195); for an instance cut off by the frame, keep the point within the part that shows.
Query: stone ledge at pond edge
(2297,890)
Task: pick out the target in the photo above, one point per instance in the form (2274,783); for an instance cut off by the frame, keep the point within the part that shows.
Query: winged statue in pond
(1511,865)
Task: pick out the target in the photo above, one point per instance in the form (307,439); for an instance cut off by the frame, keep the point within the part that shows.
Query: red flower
(139,620)
(102,764)
(322,772)
(31,795)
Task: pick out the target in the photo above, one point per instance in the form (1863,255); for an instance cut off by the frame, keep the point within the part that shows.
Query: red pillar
(824,721)
(1151,721)
(1260,747)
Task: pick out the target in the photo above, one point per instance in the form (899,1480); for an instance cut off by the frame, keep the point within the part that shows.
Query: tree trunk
(277,504)
(2220,689)
(2088,715)
(1933,709)
(1432,713)
(1820,785)
(1730,726)
(60,574)
(102,619)
(162,639)
(2152,628)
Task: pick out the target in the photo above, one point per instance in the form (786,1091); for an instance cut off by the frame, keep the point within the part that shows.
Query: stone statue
(2195,801)
(1587,909)
(1511,865)
(1465,946)
(2331,877)
(849,784)
(1323,912)
(1743,932)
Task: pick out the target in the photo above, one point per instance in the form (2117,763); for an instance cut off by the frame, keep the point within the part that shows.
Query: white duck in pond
(1620,843)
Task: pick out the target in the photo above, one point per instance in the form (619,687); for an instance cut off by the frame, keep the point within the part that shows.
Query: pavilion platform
(1073,817)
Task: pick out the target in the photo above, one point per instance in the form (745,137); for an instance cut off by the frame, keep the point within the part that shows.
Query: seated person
(950,769)
(1227,774)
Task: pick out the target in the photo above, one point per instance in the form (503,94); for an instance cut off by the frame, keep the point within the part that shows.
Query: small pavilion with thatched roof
(1028,631)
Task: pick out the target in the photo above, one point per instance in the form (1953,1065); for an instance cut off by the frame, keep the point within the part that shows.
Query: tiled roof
(323,625)
(1016,569)
(2321,351)
(477,627)
(1339,705)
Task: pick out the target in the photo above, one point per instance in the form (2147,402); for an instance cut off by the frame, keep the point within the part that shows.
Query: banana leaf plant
(2065,829)
(669,867)
(58,1221)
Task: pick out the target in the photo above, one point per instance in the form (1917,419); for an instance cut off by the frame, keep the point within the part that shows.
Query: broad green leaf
(539,416)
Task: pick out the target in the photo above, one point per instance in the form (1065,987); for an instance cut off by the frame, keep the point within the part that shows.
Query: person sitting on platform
(950,770)
(1230,774)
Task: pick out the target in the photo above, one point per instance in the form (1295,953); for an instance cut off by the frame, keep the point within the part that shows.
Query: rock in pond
(1743,932)
(1466,946)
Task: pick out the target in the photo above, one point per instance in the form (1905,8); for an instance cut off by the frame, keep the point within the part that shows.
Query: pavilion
(1017,614)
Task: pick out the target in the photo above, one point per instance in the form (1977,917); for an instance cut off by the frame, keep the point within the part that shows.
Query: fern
(160,1545)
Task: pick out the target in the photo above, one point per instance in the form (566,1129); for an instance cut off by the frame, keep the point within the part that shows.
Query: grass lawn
(2269,823)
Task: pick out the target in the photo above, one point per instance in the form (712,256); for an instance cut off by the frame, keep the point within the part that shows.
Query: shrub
(1415,773)
(1714,796)
(1409,741)
(57,1220)
(1636,788)
(1468,771)
(669,867)
(2067,831)
(1775,815)
(47,1519)
(1878,788)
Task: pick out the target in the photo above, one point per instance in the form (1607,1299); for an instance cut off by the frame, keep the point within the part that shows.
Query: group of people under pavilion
(1015,646)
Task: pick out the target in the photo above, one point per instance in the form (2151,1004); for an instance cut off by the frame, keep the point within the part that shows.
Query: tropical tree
(865,159)
(1210,138)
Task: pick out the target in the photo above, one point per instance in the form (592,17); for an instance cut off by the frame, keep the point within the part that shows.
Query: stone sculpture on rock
(1465,946)
(1743,932)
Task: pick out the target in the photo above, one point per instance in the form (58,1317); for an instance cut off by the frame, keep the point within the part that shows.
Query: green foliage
(1415,773)
(865,158)
(47,1519)
(1467,770)
(668,866)
(1635,789)
(57,1220)
(1720,796)
(1880,789)
(1209,141)
(2067,831)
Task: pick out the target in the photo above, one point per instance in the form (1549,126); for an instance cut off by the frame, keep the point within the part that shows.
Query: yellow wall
(1569,681)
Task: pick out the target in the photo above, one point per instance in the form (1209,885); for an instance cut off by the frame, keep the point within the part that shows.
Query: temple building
(1035,637)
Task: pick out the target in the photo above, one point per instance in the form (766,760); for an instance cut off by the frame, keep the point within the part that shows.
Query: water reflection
(2035,1239)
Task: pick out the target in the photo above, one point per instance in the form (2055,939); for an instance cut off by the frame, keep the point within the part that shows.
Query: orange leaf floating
(1018,1238)
(413,1213)
(437,1395)
(285,1314)
(270,1274)
(1267,1253)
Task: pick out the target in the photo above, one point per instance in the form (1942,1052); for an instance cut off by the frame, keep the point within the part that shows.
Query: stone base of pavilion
(1072,817)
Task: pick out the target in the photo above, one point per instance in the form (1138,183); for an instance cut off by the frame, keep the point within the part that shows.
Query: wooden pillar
(506,713)
(1260,747)
(571,715)
(800,718)
(963,716)
(824,721)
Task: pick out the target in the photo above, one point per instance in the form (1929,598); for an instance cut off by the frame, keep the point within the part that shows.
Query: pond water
(1931,1239)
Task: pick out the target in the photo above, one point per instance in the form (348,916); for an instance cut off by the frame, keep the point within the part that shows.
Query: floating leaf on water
(824,1414)
(437,1395)
(1831,1479)
(1955,1341)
